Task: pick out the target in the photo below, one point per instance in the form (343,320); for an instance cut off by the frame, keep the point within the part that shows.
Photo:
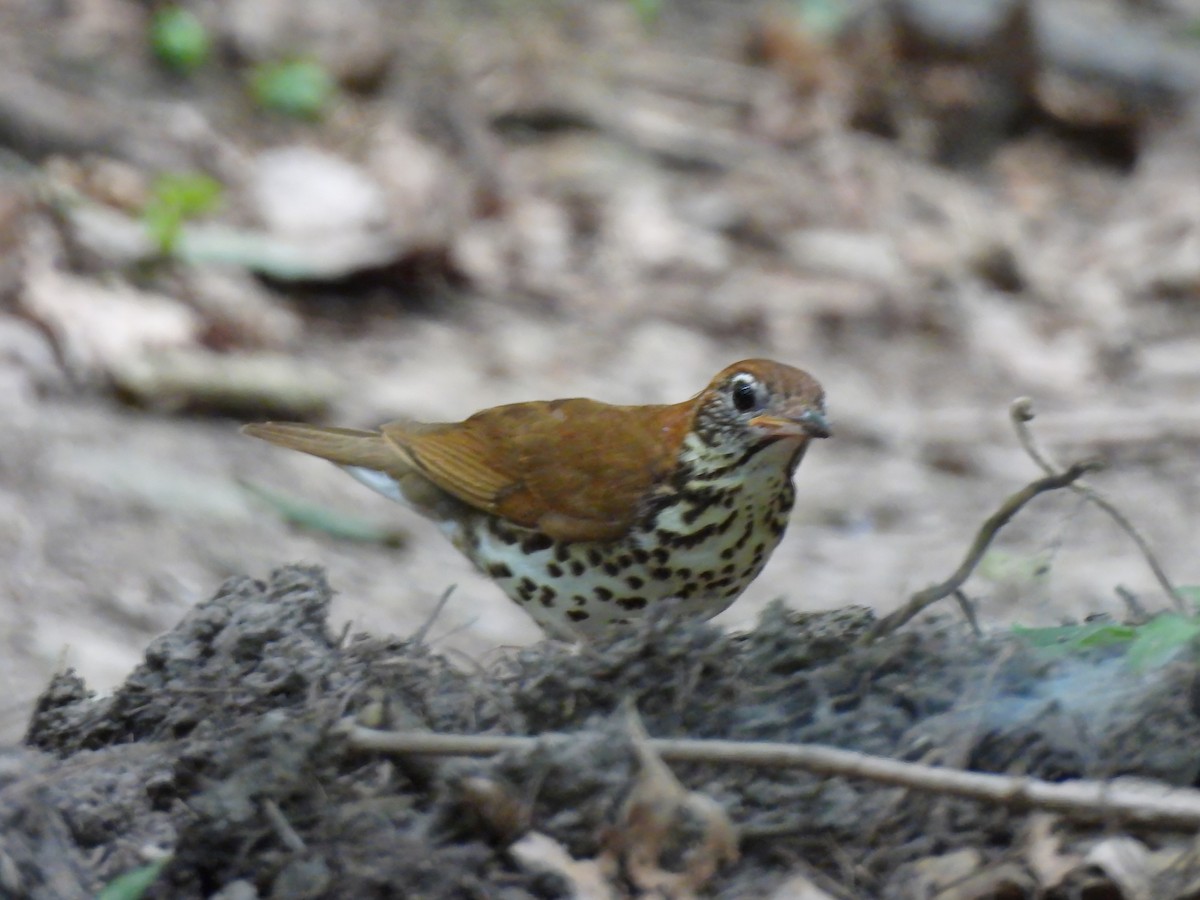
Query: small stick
(983,538)
(1136,612)
(968,611)
(423,632)
(283,828)
(1021,413)
(1141,802)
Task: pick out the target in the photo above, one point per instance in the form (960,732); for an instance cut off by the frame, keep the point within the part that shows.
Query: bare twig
(1141,802)
(983,538)
(423,632)
(968,611)
(283,828)
(1021,413)
(1137,612)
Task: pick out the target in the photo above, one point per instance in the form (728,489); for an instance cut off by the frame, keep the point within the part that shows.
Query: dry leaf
(1126,862)
(658,813)
(587,878)
(97,327)
(1044,854)
(799,887)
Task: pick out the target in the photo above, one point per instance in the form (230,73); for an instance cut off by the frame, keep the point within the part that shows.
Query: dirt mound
(225,749)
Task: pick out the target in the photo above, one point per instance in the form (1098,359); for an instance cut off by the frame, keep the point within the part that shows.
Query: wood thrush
(587,513)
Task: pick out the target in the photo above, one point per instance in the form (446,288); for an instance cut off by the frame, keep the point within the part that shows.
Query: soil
(223,749)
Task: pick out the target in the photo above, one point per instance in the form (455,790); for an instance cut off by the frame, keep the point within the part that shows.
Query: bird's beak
(807,423)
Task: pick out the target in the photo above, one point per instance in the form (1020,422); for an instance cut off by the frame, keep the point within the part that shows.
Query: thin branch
(283,828)
(423,632)
(968,610)
(1137,613)
(983,538)
(1135,802)
(1021,413)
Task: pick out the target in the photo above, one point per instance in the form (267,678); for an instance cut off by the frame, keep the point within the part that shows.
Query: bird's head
(759,401)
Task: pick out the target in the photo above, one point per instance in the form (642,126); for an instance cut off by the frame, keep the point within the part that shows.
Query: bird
(589,514)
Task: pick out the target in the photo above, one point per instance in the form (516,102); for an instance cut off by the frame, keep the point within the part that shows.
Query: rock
(302,190)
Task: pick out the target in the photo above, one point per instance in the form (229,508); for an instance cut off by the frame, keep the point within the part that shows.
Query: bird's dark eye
(745,398)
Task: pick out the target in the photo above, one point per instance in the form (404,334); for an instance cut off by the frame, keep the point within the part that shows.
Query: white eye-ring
(745,392)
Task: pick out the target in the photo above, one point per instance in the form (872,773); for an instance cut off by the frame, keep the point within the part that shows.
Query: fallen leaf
(539,853)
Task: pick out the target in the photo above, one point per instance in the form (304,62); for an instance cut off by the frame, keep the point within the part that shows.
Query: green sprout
(648,12)
(179,39)
(299,88)
(1148,645)
(133,885)
(175,199)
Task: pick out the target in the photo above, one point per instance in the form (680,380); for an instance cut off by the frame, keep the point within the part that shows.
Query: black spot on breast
(684,573)
(625,561)
(611,568)
(632,603)
(561,552)
(593,557)
(681,477)
(579,600)
(661,555)
(554,570)
(642,556)
(727,553)
(535,543)
(698,502)
(603,593)
(547,597)
(688,591)
(577,615)
(745,536)
(527,585)
(728,570)
(700,535)
(634,582)
(577,567)
(660,572)
(499,570)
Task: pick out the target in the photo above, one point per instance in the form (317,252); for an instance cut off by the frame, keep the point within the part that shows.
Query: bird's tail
(343,446)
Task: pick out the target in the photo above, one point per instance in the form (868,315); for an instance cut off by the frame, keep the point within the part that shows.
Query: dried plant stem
(1021,413)
(983,539)
(1140,803)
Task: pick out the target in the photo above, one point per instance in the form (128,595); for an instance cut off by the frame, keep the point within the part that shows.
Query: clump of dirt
(225,749)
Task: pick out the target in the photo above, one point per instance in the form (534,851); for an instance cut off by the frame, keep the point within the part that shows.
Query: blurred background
(348,211)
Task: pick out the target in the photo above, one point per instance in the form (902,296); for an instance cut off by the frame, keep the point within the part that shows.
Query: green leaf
(1189,593)
(999,566)
(1074,638)
(648,11)
(132,885)
(823,18)
(174,199)
(1159,640)
(299,88)
(179,39)
(320,518)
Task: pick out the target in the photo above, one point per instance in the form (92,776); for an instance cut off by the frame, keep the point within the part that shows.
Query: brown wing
(575,469)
